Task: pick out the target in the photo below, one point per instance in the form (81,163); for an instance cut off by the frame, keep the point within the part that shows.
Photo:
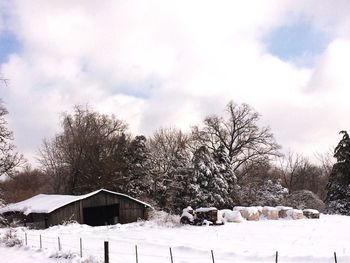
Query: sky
(161,63)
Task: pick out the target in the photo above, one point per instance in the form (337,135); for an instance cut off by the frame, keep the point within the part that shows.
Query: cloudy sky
(158,63)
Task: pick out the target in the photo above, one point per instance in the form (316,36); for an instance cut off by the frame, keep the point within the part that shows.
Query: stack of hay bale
(254,213)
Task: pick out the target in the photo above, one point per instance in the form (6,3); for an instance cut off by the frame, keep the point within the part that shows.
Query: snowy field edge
(303,240)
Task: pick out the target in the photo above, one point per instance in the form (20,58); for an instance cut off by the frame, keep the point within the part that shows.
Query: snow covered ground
(20,255)
(306,240)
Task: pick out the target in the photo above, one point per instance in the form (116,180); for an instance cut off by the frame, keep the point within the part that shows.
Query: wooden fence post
(212,256)
(335,257)
(137,256)
(106,252)
(276,256)
(81,248)
(59,244)
(171,255)
(41,244)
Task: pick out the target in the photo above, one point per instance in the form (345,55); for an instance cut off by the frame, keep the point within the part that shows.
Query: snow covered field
(306,240)
(21,255)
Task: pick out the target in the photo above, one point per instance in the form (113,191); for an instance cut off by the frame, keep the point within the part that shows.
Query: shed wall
(66,213)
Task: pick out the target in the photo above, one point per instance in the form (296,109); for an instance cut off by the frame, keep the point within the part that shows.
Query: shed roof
(47,203)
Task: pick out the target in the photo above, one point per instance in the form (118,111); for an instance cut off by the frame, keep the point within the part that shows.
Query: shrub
(10,238)
(164,219)
(304,199)
(268,193)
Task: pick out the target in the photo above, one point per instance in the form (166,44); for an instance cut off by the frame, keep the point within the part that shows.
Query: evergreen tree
(182,190)
(268,193)
(224,166)
(342,151)
(170,160)
(138,176)
(338,187)
(209,180)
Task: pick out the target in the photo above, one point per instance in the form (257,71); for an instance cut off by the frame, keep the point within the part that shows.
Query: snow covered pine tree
(210,177)
(338,187)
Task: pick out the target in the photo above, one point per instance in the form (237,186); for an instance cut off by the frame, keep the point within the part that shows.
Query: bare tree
(169,148)
(239,134)
(326,161)
(52,163)
(24,184)
(298,173)
(88,154)
(9,158)
(169,152)
(289,167)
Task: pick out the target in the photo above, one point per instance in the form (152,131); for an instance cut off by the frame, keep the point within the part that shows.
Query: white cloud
(331,75)
(327,15)
(2,22)
(161,63)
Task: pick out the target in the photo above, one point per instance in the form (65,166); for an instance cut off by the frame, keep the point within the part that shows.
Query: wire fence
(109,251)
(60,243)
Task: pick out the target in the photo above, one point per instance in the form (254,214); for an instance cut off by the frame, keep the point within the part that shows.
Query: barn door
(101,215)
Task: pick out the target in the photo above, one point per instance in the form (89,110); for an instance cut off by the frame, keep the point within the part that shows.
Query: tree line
(223,161)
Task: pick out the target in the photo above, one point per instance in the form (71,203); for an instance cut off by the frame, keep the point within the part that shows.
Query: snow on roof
(45,203)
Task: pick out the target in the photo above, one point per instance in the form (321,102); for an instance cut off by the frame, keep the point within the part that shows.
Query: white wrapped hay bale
(249,213)
(270,213)
(311,213)
(187,215)
(282,211)
(231,216)
(295,214)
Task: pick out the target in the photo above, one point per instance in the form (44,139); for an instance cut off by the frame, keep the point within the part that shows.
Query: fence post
(171,255)
(81,248)
(276,256)
(59,244)
(212,256)
(137,257)
(106,252)
(335,257)
(26,239)
(41,244)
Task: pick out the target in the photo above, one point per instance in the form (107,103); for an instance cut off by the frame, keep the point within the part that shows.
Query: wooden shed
(101,207)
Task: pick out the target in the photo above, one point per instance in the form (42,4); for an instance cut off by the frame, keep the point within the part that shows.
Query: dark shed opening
(101,215)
